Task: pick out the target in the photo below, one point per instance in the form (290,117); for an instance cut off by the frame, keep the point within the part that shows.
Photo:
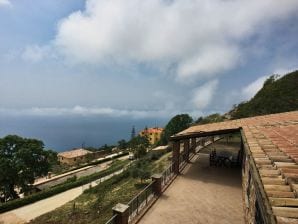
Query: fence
(167,175)
(140,201)
(112,220)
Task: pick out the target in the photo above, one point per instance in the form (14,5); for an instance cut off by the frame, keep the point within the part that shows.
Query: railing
(112,220)
(140,201)
(167,175)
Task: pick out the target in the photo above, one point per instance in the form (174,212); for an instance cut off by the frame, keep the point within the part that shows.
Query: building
(269,156)
(153,134)
(74,156)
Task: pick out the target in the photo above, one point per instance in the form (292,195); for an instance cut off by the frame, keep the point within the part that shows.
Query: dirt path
(201,195)
(28,212)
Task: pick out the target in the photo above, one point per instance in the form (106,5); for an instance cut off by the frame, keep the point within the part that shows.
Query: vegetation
(138,146)
(61,187)
(175,125)
(21,161)
(95,204)
(141,170)
(212,118)
(277,95)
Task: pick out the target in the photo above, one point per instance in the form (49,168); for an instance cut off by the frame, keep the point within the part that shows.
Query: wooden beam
(203,134)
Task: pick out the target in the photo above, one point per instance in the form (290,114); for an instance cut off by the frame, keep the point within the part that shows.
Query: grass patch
(95,205)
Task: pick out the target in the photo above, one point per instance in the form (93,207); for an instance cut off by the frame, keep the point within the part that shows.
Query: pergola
(269,169)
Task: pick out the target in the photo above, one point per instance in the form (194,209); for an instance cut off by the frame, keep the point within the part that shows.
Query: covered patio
(203,194)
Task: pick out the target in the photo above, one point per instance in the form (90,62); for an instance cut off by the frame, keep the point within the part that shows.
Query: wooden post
(193,144)
(121,211)
(176,156)
(186,150)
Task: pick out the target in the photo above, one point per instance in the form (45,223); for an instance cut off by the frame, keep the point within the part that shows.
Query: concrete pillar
(186,150)
(176,156)
(157,185)
(193,144)
(122,213)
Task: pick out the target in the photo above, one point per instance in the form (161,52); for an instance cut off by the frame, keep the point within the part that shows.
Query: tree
(212,118)
(122,144)
(175,125)
(141,170)
(138,146)
(21,160)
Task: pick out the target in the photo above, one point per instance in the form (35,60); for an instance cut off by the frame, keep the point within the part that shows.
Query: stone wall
(249,192)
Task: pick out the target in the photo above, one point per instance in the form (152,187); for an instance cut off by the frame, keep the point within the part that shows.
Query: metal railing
(112,220)
(167,176)
(140,201)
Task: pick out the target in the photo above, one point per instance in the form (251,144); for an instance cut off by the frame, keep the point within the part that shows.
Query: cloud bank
(88,111)
(199,38)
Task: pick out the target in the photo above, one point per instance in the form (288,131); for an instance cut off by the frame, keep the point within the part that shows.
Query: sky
(74,71)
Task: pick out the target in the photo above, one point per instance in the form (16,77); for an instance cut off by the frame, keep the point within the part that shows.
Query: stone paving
(202,194)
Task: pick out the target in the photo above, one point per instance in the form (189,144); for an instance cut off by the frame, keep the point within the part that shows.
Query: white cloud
(250,90)
(284,71)
(200,37)
(35,53)
(204,94)
(5,3)
(89,111)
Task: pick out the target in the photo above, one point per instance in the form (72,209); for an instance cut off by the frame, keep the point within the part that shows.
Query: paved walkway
(201,195)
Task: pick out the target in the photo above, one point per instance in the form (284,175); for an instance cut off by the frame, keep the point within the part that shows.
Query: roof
(273,143)
(74,153)
(162,147)
(152,130)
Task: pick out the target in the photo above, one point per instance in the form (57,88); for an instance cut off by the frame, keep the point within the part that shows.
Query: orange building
(153,134)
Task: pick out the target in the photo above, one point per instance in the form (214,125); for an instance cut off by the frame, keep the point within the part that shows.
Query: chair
(213,158)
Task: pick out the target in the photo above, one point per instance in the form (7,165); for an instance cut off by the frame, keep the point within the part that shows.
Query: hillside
(277,95)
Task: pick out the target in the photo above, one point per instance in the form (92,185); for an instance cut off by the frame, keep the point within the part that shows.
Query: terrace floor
(202,194)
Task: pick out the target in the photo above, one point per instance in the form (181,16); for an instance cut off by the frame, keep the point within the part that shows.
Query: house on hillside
(152,134)
(74,156)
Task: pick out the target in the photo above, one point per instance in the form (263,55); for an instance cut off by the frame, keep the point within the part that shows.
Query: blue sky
(135,61)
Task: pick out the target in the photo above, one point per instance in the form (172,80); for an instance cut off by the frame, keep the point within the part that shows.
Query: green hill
(277,95)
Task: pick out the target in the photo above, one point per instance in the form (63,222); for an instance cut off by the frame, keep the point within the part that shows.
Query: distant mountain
(277,95)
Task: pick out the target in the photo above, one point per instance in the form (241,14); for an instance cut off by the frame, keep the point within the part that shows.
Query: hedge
(57,189)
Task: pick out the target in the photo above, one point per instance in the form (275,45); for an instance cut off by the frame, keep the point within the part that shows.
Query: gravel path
(201,195)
